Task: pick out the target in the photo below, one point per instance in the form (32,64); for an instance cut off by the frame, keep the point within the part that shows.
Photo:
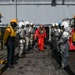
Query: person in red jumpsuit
(41,35)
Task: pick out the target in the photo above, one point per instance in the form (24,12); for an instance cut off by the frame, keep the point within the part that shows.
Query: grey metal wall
(44,14)
(8,12)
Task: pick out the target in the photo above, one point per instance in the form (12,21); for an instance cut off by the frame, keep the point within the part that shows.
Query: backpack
(73,37)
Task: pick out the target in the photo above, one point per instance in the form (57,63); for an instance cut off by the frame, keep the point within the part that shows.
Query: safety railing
(24,0)
(65,0)
(36,0)
(5,0)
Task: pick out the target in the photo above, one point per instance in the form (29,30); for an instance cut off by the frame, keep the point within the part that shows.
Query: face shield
(20,24)
(26,24)
(13,24)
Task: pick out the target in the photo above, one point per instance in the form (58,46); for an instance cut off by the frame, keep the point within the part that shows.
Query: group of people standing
(60,34)
(26,34)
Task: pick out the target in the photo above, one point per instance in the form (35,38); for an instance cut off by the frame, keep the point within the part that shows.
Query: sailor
(41,34)
(32,32)
(52,34)
(21,37)
(9,41)
(56,36)
(27,37)
(64,46)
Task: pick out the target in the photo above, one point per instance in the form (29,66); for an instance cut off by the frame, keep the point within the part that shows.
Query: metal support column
(16,8)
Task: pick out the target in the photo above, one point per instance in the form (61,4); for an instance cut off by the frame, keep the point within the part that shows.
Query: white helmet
(20,24)
(56,24)
(65,24)
(31,23)
(53,24)
(26,23)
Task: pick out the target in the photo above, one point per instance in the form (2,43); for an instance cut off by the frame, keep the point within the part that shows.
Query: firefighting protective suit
(64,48)
(52,35)
(64,44)
(32,32)
(41,34)
(21,37)
(56,37)
(27,38)
(9,40)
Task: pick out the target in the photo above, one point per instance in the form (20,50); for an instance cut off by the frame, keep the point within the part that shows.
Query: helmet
(59,23)
(31,23)
(20,24)
(74,17)
(26,23)
(13,20)
(56,24)
(53,24)
(65,24)
(13,23)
